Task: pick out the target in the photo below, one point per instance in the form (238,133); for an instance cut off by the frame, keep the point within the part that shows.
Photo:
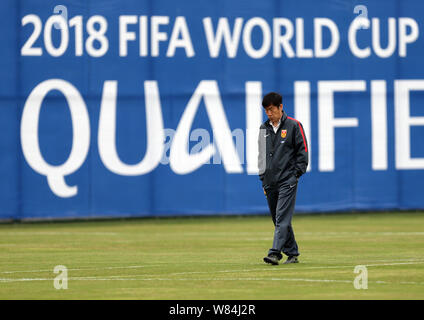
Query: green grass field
(214,258)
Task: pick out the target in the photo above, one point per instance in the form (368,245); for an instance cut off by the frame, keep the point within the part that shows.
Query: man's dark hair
(272,98)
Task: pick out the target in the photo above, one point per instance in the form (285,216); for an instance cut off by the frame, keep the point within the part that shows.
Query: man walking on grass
(283,158)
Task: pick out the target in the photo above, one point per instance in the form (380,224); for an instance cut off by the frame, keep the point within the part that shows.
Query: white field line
(295,268)
(81,269)
(148,277)
(51,233)
(404,261)
(173,279)
(400,233)
(336,233)
(347,233)
(341,234)
(106,268)
(205,279)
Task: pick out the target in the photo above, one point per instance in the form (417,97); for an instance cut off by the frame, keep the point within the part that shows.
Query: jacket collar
(283,118)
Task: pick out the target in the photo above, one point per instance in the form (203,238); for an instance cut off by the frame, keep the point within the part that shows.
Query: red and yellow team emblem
(283,133)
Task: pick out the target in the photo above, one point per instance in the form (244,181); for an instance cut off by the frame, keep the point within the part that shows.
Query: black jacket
(282,155)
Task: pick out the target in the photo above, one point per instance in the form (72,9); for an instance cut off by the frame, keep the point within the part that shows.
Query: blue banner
(150,108)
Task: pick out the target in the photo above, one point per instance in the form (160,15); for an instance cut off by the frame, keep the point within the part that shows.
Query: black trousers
(281,202)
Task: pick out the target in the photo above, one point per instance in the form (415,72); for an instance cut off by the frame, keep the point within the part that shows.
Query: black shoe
(292,259)
(272,259)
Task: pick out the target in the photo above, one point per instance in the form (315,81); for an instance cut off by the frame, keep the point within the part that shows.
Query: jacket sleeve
(301,149)
(261,152)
